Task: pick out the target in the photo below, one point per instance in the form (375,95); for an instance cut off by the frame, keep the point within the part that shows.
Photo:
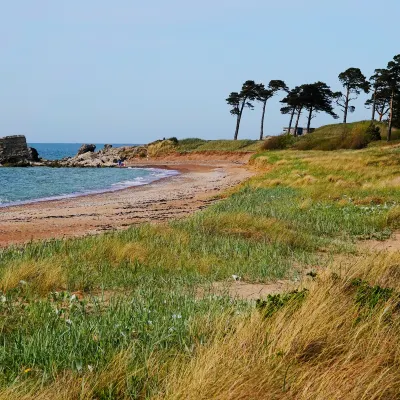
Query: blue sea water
(57,151)
(24,185)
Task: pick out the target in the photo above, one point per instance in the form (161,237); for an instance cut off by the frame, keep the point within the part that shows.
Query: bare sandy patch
(390,245)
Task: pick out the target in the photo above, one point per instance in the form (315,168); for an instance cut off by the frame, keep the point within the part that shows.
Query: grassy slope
(186,145)
(200,145)
(336,136)
(142,331)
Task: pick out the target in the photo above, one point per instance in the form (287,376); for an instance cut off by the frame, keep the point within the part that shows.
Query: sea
(32,184)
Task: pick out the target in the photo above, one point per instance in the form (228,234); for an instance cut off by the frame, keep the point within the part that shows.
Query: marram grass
(121,316)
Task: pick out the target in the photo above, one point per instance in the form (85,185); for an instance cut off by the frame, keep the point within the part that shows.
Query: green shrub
(370,296)
(357,139)
(275,302)
(278,142)
(174,140)
(373,132)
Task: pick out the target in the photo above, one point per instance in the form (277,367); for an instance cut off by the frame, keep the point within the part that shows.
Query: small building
(300,131)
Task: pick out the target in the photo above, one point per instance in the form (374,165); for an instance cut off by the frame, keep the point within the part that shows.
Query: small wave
(155,175)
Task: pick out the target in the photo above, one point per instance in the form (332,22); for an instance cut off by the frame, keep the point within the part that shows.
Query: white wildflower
(236,277)
(90,368)
(68,322)
(3,298)
(73,298)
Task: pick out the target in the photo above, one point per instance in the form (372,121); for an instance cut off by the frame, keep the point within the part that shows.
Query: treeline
(312,98)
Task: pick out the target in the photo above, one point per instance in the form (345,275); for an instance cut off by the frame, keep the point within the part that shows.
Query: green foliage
(373,132)
(370,296)
(356,135)
(278,142)
(275,302)
(174,140)
(190,144)
(317,97)
(187,145)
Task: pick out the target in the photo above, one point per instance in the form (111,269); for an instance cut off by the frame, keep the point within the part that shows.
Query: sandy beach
(174,197)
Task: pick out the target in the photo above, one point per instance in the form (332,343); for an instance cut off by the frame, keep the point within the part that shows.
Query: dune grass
(356,135)
(337,341)
(120,315)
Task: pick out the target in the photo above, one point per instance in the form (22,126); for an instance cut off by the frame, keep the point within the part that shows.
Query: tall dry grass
(327,347)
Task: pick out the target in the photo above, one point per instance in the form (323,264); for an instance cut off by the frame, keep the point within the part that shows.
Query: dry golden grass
(325,348)
(43,277)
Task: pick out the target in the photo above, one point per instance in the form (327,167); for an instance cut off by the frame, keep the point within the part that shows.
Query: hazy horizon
(130,72)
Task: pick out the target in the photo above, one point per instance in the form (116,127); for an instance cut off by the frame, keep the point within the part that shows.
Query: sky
(128,71)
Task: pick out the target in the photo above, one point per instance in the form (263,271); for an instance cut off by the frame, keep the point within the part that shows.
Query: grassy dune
(356,135)
(195,145)
(122,315)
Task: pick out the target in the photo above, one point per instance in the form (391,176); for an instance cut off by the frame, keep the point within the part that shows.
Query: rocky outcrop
(107,157)
(86,148)
(34,155)
(15,151)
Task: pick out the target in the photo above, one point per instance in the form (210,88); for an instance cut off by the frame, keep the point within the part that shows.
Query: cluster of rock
(15,151)
(107,157)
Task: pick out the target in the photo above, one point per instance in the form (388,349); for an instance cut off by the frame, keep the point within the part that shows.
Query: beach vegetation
(138,314)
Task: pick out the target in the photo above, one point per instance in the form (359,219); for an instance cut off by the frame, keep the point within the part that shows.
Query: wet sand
(170,198)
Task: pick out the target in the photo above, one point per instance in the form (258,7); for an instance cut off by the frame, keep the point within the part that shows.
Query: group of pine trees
(318,97)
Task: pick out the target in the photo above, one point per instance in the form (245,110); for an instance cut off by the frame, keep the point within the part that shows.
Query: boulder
(14,150)
(107,147)
(86,148)
(34,155)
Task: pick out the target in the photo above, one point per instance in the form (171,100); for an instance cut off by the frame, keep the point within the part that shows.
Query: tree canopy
(318,97)
(353,82)
(264,94)
(240,100)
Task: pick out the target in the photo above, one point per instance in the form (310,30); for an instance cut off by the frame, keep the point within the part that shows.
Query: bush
(357,139)
(373,132)
(278,142)
(174,140)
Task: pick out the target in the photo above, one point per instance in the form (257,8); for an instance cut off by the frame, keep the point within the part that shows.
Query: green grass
(188,145)
(334,137)
(140,287)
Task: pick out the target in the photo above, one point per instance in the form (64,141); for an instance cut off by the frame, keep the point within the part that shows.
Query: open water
(24,185)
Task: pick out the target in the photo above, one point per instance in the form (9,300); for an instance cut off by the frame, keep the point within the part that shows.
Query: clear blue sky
(133,71)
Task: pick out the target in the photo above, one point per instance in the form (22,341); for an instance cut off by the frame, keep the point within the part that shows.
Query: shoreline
(89,192)
(171,197)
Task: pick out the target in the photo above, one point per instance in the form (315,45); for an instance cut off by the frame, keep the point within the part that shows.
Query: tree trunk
(262,120)
(309,120)
(380,117)
(389,132)
(291,119)
(237,127)
(346,106)
(239,117)
(297,121)
(373,107)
